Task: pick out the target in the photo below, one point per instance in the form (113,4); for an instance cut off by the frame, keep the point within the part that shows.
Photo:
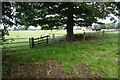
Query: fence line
(13,51)
(15,38)
(16,42)
(40,40)
(51,39)
(102,31)
(14,47)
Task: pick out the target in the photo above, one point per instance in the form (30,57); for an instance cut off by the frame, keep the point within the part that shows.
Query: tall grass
(101,55)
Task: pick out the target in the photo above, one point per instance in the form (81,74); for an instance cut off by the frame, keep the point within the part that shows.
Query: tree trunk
(70,28)
(70,24)
(51,30)
(26,27)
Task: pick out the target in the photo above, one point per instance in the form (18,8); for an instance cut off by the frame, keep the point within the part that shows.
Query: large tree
(66,14)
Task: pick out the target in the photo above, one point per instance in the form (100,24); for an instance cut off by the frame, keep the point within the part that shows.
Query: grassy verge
(100,55)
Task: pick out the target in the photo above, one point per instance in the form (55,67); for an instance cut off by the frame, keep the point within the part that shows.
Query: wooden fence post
(84,36)
(40,36)
(58,39)
(103,35)
(47,39)
(53,38)
(30,42)
(38,40)
(49,34)
(32,39)
(66,37)
(43,34)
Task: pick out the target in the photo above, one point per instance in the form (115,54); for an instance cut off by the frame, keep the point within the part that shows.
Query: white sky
(107,20)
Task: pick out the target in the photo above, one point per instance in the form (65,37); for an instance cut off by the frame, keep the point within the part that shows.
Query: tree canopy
(67,14)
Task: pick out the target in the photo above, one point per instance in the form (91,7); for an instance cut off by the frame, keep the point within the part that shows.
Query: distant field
(28,34)
(36,33)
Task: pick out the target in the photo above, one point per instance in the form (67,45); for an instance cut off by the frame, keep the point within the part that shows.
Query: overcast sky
(107,20)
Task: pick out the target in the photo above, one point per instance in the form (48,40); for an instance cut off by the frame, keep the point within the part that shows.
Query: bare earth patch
(41,69)
(47,69)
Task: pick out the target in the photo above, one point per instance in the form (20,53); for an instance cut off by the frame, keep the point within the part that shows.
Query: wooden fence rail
(16,42)
(83,36)
(37,41)
(15,38)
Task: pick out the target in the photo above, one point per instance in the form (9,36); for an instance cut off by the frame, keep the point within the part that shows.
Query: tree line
(107,26)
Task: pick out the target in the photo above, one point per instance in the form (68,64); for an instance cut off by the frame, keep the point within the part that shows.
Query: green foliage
(34,14)
(21,28)
(4,32)
(106,26)
(60,28)
(15,29)
(46,27)
(57,14)
(5,67)
(118,25)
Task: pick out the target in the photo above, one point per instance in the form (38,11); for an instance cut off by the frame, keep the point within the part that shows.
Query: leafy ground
(91,58)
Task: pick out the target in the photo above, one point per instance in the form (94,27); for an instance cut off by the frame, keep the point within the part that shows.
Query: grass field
(100,56)
(15,36)
(37,33)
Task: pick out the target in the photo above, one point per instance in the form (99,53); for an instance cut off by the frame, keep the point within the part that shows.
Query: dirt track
(41,69)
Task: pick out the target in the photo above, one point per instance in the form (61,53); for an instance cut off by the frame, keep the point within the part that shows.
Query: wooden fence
(19,44)
(84,36)
(103,34)
(57,38)
(38,41)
